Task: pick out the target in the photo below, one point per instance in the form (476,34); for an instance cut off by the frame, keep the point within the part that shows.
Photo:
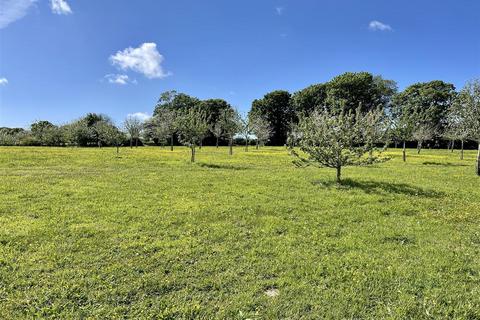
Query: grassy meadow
(84,234)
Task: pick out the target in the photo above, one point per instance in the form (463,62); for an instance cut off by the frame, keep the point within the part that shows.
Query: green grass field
(84,234)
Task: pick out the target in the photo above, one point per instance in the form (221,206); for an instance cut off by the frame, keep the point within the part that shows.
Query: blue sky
(60,59)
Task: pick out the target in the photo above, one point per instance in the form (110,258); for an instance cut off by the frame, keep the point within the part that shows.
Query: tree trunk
(478,160)
(404,152)
(230,144)
(201,143)
(419,147)
(396,144)
(131,143)
(117,149)
(217,143)
(136,142)
(246,144)
(370,155)
(453,145)
(461,151)
(339,174)
(256,147)
(171,143)
(193,153)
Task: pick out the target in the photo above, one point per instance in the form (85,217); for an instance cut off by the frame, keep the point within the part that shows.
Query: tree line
(429,113)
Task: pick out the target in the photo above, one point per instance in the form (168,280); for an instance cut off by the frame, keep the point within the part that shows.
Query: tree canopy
(363,89)
(428,101)
(275,108)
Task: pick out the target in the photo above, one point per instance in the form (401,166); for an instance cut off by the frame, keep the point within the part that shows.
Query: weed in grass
(400,239)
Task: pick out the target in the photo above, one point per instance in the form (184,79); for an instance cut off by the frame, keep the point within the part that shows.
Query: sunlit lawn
(150,235)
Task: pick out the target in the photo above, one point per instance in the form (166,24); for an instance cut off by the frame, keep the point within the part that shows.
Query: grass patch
(84,234)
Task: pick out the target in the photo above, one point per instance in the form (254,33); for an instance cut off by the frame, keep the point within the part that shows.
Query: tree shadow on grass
(221,166)
(443,164)
(380,187)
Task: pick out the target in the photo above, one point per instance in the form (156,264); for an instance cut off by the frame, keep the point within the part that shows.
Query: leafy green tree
(385,89)
(428,101)
(333,139)
(54,137)
(25,138)
(109,134)
(307,100)
(360,88)
(91,118)
(212,108)
(11,131)
(7,137)
(149,132)
(83,132)
(80,134)
(76,133)
(192,125)
(276,108)
(42,130)
(175,101)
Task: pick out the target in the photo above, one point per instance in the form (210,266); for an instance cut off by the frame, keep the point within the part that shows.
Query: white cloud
(60,7)
(12,10)
(121,79)
(144,59)
(279,10)
(379,26)
(140,115)
(3,81)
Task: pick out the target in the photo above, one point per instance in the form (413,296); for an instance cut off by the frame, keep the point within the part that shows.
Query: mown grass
(84,234)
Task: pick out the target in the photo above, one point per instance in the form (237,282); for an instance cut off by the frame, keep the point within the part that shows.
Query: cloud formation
(279,10)
(144,59)
(12,10)
(140,115)
(3,81)
(60,7)
(379,26)
(121,79)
